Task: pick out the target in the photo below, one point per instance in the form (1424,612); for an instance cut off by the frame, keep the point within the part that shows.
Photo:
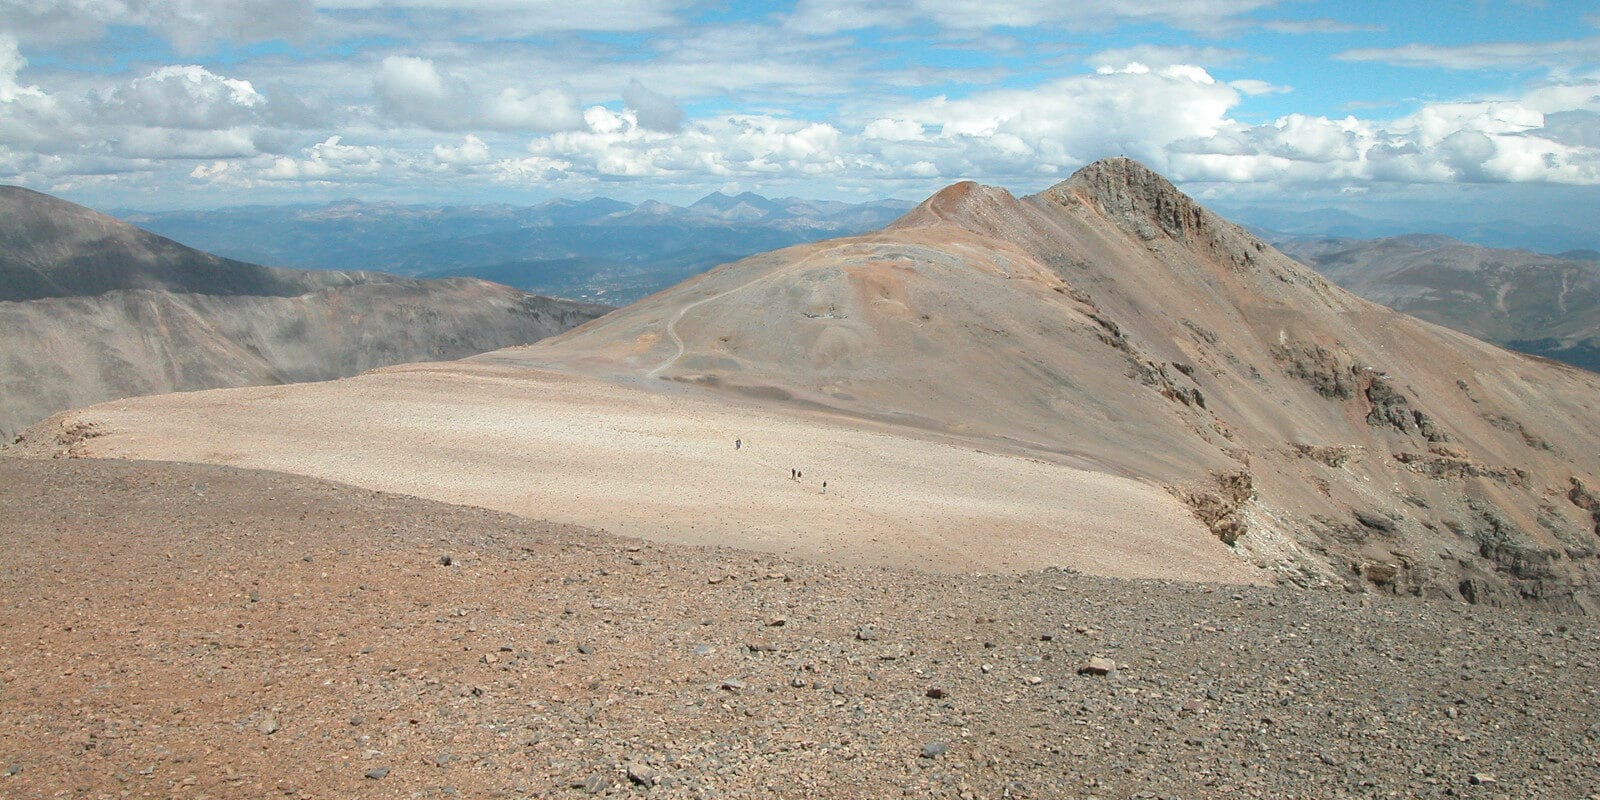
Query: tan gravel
(662,465)
(192,631)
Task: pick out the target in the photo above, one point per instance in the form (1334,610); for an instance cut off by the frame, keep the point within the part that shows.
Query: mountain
(1553,236)
(656,241)
(1104,375)
(600,280)
(733,208)
(1543,305)
(95,309)
(53,248)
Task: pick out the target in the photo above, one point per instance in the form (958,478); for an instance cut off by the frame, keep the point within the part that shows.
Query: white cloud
(830,16)
(183,97)
(1487,141)
(507,18)
(655,111)
(178,143)
(1255,88)
(542,110)
(616,145)
(1514,55)
(1067,122)
(895,130)
(190,25)
(472,150)
(29,118)
(413,90)
(1165,56)
(330,159)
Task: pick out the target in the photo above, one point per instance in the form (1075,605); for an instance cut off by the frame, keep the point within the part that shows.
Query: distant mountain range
(1554,236)
(609,251)
(1534,303)
(95,309)
(599,250)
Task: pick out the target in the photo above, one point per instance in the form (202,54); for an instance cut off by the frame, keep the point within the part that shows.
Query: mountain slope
(1535,303)
(95,309)
(52,248)
(1108,347)
(1111,321)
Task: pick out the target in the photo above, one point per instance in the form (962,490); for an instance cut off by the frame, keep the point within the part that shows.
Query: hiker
(793,476)
(736,443)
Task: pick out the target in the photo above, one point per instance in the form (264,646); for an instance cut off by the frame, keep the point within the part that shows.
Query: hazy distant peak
(723,200)
(1427,241)
(745,206)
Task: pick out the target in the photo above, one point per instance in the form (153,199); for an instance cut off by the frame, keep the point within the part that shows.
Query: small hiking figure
(793,476)
(798,475)
(737,442)
(824,487)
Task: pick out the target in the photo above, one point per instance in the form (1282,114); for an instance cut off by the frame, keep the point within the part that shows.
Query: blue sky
(195,103)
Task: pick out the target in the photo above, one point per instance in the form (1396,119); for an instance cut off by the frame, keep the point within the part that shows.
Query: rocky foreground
(194,631)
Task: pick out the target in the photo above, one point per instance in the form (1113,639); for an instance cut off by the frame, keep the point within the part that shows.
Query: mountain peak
(1130,191)
(967,204)
(723,200)
(1145,204)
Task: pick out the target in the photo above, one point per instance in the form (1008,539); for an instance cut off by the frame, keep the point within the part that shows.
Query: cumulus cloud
(29,118)
(617,146)
(542,110)
(1024,133)
(527,102)
(472,150)
(415,91)
(168,143)
(172,113)
(183,97)
(412,89)
(1489,141)
(654,111)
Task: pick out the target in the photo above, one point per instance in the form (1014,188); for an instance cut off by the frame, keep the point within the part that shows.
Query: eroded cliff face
(1394,455)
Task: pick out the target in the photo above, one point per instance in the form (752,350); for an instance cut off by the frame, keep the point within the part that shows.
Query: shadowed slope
(1530,302)
(94,309)
(52,248)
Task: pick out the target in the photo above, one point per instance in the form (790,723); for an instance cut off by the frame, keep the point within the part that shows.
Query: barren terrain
(663,465)
(94,309)
(200,631)
(956,378)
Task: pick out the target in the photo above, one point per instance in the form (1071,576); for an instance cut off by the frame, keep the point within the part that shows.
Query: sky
(1487,107)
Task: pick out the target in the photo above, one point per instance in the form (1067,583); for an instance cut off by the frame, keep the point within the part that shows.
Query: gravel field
(200,631)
